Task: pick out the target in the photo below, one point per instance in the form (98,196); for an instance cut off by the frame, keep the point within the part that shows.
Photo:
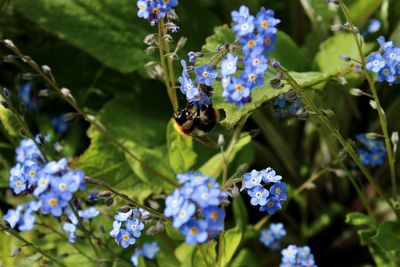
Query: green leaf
(388,235)
(244,258)
(215,165)
(143,133)
(240,213)
(141,262)
(381,257)
(232,239)
(184,253)
(329,56)
(289,54)
(108,30)
(9,122)
(358,218)
(205,255)
(174,233)
(180,150)
(361,11)
(395,37)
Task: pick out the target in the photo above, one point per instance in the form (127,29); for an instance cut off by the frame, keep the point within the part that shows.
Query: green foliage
(215,165)
(108,30)
(388,235)
(180,150)
(232,239)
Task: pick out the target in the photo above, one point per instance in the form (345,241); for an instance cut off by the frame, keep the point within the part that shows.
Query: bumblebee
(195,121)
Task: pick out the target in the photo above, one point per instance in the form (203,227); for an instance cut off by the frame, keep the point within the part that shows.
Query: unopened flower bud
(105,195)
(356,92)
(181,43)
(345,57)
(395,138)
(15,252)
(221,140)
(109,201)
(336,27)
(372,103)
(9,43)
(150,39)
(46,69)
(124,209)
(150,50)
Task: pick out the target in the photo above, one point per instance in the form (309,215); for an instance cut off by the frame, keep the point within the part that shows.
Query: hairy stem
(379,109)
(168,72)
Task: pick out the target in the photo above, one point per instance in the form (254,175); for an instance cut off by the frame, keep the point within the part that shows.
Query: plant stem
(331,127)
(167,73)
(381,115)
(31,245)
(123,196)
(70,100)
(83,229)
(66,239)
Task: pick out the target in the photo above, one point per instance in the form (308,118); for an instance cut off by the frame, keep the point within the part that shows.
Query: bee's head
(181,116)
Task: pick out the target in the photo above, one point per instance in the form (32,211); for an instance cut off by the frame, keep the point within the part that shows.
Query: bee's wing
(205,140)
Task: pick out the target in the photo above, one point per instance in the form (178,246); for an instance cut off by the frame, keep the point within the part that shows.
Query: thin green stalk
(80,251)
(31,245)
(358,189)
(331,127)
(83,229)
(161,45)
(381,115)
(171,73)
(123,196)
(221,245)
(70,100)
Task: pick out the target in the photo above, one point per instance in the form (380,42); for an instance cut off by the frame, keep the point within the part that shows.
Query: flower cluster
(285,105)
(385,62)
(148,251)
(154,10)
(133,225)
(257,36)
(294,256)
(374,152)
(195,207)
(22,216)
(52,183)
(199,91)
(270,237)
(265,189)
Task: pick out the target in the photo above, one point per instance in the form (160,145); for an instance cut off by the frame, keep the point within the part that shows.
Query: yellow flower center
(18,183)
(264,24)
(267,41)
(209,184)
(278,191)
(252,77)
(155,11)
(239,87)
(251,43)
(182,213)
(32,173)
(125,237)
(43,182)
(214,215)
(270,204)
(205,74)
(386,71)
(193,230)
(53,202)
